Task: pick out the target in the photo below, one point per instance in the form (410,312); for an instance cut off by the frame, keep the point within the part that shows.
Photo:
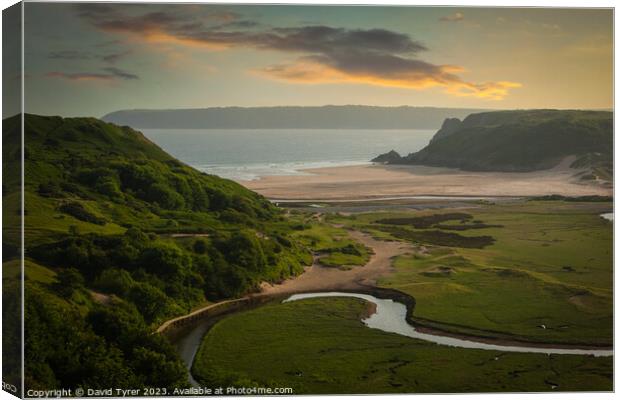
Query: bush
(166,198)
(244,249)
(236,217)
(49,190)
(283,241)
(165,259)
(158,370)
(218,200)
(108,186)
(113,280)
(78,211)
(69,280)
(425,221)
(119,323)
(73,189)
(150,301)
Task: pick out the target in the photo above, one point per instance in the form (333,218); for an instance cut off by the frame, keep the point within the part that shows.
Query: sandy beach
(376,181)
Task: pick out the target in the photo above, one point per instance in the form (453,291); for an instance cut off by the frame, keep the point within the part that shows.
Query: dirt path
(184,235)
(319,278)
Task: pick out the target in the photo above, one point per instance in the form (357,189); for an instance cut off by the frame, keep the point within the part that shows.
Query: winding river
(390,316)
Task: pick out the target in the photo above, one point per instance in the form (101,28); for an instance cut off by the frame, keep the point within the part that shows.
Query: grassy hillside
(119,177)
(119,237)
(524,140)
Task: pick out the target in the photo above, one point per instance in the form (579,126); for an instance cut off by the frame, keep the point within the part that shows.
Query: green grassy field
(550,264)
(321,346)
(334,245)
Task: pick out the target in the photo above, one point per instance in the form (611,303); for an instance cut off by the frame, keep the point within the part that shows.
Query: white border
(451,3)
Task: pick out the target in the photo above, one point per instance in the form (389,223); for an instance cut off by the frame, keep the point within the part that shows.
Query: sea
(249,154)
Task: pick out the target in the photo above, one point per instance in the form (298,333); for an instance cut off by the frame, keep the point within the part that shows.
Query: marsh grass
(550,264)
(321,346)
(333,245)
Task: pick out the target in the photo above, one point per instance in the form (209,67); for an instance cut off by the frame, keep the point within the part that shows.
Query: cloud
(223,16)
(321,54)
(453,17)
(112,58)
(109,74)
(69,55)
(80,76)
(239,24)
(85,55)
(119,73)
(487,90)
(411,75)
(160,25)
(109,43)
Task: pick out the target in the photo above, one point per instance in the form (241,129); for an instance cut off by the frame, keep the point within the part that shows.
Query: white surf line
(390,316)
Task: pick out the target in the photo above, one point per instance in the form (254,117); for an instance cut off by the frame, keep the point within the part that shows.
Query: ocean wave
(251,172)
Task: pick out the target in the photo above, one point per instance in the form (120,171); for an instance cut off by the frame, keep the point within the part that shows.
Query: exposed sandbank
(373,181)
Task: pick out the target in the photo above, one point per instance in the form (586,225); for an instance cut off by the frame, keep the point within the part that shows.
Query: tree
(150,301)
(165,259)
(244,249)
(165,197)
(69,280)
(113,280)
(158,370)
(118,323)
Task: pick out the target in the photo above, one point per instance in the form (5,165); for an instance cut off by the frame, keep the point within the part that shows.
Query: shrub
(108,186)
(166,198)
(244,249)
(165,259)
(69,280)
(150,301)
(113,280)
(78,211)
(49,190)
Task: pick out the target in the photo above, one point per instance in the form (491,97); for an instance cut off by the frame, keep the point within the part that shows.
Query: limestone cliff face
(449,126)
(519,141)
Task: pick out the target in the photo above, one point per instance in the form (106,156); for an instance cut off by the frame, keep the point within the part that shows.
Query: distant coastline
(290,117)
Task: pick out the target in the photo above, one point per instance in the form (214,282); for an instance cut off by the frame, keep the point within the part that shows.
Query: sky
(88,59)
